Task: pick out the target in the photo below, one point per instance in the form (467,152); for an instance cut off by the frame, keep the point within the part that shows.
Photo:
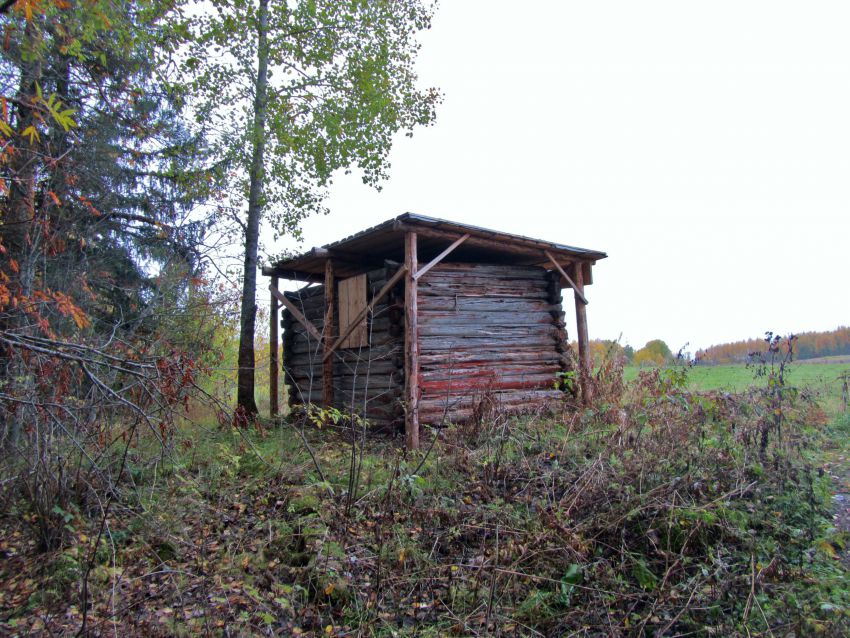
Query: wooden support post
(581,336)
(274,346)
(327,361)
(411,344)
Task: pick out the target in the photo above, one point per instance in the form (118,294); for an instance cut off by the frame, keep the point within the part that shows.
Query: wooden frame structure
(504,272)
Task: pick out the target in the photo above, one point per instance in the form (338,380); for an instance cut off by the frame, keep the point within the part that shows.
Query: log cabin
(419,319)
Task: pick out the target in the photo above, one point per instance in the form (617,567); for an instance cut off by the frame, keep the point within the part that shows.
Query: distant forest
(808,345)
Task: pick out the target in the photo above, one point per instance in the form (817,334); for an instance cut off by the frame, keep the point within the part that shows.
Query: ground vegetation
(656,511)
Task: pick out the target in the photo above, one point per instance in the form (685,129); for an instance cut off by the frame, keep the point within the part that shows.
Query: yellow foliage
(644,357)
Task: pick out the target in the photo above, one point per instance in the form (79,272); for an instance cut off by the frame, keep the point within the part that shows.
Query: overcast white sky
(705,146)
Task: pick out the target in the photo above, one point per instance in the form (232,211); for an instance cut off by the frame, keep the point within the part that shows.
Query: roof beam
(293,275)
(353,261)
(480,242)
(501,239)
(346,256)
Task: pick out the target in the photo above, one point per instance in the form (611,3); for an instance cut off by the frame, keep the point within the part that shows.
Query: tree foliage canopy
(102,178)
(101,247)
(341,85)
(655,352)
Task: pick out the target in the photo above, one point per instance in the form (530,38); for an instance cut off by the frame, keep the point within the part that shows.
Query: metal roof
(370,247)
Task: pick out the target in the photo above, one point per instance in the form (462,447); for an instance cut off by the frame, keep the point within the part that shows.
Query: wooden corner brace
(440,257)
(296,313)
(578,291)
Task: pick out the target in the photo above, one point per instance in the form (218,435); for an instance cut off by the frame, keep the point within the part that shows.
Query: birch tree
(294,91)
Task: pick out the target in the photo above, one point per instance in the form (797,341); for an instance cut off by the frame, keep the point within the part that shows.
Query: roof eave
(293,268)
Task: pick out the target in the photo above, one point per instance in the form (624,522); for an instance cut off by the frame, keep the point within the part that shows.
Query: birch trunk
(245,381)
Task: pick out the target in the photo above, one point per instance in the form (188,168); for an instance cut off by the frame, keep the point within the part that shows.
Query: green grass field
(824,379)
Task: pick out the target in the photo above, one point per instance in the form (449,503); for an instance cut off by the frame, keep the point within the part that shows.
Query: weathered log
(506,398)
(464,385)
(379,382)
(343,394)
(474,288)
(444,343)
(508,318)
(303,349)
(502,271)
(459,304)
(473,331)
(385,340)
(376,374)
(492,370)
(468,358)
(305,293)
(375,327)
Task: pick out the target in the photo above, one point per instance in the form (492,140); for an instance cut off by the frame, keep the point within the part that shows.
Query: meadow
(823,378)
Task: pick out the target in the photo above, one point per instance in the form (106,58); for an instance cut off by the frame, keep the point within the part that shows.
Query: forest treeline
(143,146)
(807,345)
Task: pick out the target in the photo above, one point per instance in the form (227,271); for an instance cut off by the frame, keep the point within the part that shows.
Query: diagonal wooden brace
(440,257)
(296,313)
(564,274)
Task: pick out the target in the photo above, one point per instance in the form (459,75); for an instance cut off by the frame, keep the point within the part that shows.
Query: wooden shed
(420,317)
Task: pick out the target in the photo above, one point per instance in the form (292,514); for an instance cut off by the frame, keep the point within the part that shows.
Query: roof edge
(414,222)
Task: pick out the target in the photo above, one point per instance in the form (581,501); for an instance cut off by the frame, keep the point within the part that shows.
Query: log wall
(367,377)
(488,333)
